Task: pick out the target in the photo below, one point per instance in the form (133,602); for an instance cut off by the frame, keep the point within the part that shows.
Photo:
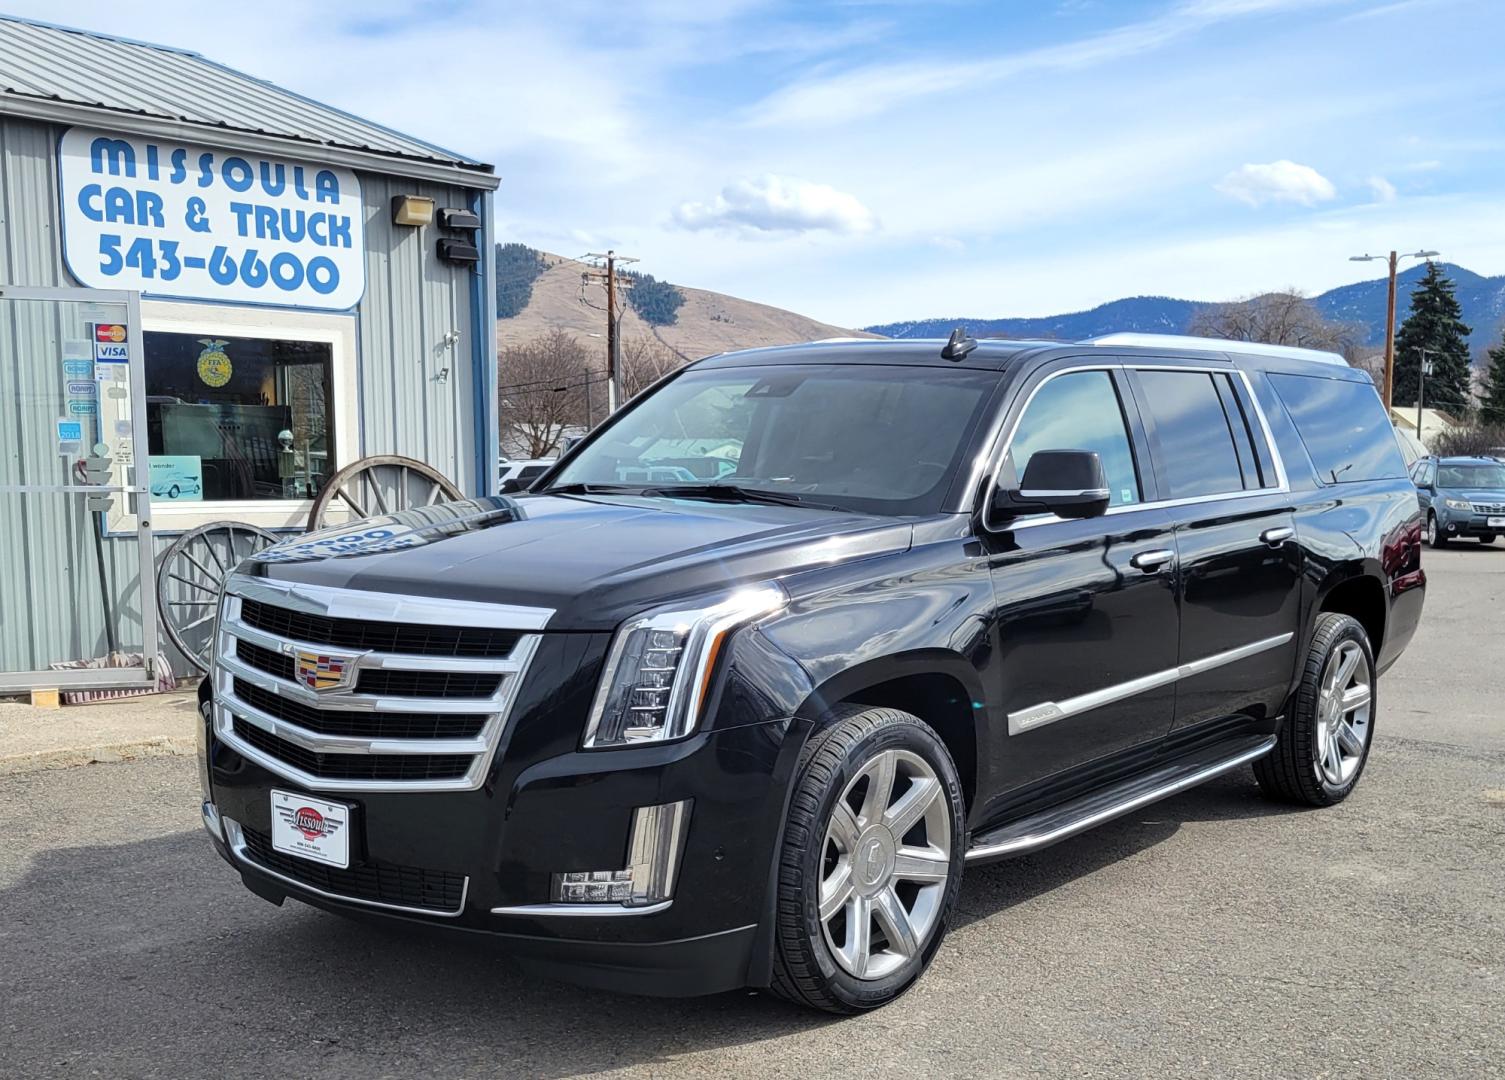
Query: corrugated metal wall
(50,605)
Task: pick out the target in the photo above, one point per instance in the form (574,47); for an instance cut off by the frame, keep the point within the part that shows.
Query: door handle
(1278,535)
(1150,561)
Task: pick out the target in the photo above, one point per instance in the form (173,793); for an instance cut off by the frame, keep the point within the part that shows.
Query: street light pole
(1421,388)
(1393,259)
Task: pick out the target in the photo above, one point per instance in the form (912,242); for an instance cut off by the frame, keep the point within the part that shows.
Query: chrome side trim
(1034,841)
(237,842)
(1048,712)
(588,910)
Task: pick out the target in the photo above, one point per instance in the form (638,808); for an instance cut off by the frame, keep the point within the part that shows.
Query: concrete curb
(69,757)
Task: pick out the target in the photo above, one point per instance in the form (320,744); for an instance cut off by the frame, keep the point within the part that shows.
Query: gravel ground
(1213,934)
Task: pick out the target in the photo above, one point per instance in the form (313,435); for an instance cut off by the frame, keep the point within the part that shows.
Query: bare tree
(645,360)
(544,383)
(1280,318)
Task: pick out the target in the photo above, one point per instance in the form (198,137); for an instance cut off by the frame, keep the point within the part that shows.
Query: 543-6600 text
(161,260)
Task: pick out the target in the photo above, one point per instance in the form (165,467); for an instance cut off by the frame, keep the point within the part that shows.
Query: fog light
(652,863)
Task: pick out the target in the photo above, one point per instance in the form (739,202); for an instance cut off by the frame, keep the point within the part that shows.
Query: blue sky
(864,161)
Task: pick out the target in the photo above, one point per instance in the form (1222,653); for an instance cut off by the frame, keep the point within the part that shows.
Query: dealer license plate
(311,828)
(1497,523)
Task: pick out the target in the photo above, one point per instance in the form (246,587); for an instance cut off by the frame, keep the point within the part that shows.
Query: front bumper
(1458,524)
(483,862)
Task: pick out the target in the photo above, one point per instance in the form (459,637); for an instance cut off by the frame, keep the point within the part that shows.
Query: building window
(237,418)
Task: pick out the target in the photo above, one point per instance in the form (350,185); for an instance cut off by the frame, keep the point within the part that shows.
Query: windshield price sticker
(182,220)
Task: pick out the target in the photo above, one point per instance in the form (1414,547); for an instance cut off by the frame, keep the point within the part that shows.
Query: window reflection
(1080,411)
(235,418)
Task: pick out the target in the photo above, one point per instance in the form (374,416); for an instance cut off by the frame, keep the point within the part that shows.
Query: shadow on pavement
(151,958)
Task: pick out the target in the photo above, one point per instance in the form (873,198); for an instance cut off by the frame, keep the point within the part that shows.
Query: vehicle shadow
(149,957)
(992,888)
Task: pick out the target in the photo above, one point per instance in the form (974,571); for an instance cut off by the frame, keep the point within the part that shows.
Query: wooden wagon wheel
(381,484)
(189,575)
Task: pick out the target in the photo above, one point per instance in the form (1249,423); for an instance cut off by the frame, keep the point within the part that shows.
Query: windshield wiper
(737,493)
(595,489)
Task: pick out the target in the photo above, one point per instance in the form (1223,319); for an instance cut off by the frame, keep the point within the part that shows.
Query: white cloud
(1384,190)
(1277,181)
(778,204)
(826,99)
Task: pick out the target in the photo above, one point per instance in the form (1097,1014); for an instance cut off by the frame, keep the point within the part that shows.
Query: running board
(1059,822)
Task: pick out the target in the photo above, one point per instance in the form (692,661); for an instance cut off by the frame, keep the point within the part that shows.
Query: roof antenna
(959,345)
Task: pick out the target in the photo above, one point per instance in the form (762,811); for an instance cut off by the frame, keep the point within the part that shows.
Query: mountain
(705,323)
(1363,304)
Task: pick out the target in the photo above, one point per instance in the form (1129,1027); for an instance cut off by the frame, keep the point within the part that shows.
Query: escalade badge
(323,671)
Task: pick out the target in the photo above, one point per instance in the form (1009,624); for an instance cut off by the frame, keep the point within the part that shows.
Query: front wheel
(1325,741)
(871,861)
(1435,536)
(1489,538)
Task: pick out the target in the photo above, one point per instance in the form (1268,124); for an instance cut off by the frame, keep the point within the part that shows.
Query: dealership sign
(176,220)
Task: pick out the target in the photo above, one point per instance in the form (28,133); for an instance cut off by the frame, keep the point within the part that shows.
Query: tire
(1490,539)
(1435,536)
(1315,763)
(172,492)
(833,780)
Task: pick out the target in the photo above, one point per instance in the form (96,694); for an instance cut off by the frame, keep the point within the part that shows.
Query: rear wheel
(1324,744)
(871,861)
(1435,536)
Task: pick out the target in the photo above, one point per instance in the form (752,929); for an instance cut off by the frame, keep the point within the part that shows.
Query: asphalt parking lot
(1214,934)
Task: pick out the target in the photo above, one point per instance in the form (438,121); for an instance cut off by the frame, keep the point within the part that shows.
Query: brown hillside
(708,322)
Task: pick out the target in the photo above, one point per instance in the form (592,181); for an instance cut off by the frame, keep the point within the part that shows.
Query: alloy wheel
(1344,706)
(884,864)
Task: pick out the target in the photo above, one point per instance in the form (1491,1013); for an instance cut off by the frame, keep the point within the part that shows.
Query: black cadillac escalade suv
(737,690)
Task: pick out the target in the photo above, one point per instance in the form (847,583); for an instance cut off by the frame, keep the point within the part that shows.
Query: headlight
(1457,504)
(658,672)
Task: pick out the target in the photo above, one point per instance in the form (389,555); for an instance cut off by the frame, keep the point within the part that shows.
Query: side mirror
(1067,483)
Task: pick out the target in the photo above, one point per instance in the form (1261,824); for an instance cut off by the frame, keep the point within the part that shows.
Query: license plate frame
(316,830)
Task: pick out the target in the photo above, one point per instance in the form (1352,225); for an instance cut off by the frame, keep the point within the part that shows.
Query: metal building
(214,293)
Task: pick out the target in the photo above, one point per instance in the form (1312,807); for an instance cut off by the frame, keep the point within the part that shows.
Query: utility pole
(1393,260)
(606,269)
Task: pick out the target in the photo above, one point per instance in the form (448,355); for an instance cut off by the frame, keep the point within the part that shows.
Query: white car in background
(519,474)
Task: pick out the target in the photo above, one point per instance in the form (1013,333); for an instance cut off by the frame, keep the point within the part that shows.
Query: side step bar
(1059,822)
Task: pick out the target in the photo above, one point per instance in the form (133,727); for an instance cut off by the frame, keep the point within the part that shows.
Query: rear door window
(1343,427)
(1194,438)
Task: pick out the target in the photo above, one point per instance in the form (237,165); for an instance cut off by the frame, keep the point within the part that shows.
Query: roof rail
(958,345)
(1183,341)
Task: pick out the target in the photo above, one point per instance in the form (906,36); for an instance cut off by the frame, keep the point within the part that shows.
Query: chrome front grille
(346,690)
(1489,508)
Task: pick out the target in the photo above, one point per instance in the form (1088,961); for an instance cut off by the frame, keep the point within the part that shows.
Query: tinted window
(531,471)
(1343,426)
(886,440)
(1194,437)
(1080,411)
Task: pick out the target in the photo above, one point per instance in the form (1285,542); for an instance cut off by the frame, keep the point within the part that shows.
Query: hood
(594,560)
(1493,496)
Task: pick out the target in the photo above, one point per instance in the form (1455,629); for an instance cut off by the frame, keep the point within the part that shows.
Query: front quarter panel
(921,612)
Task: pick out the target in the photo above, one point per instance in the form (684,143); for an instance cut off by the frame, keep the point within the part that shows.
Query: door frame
(134,489)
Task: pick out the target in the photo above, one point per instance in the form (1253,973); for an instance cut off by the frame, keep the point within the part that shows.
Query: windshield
(883,440)
(1491,477)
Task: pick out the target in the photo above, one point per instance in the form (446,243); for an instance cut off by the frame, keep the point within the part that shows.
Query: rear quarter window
(1343,427)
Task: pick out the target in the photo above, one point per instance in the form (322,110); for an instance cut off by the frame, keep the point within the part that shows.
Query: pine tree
(1492,411)
(1434,326)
